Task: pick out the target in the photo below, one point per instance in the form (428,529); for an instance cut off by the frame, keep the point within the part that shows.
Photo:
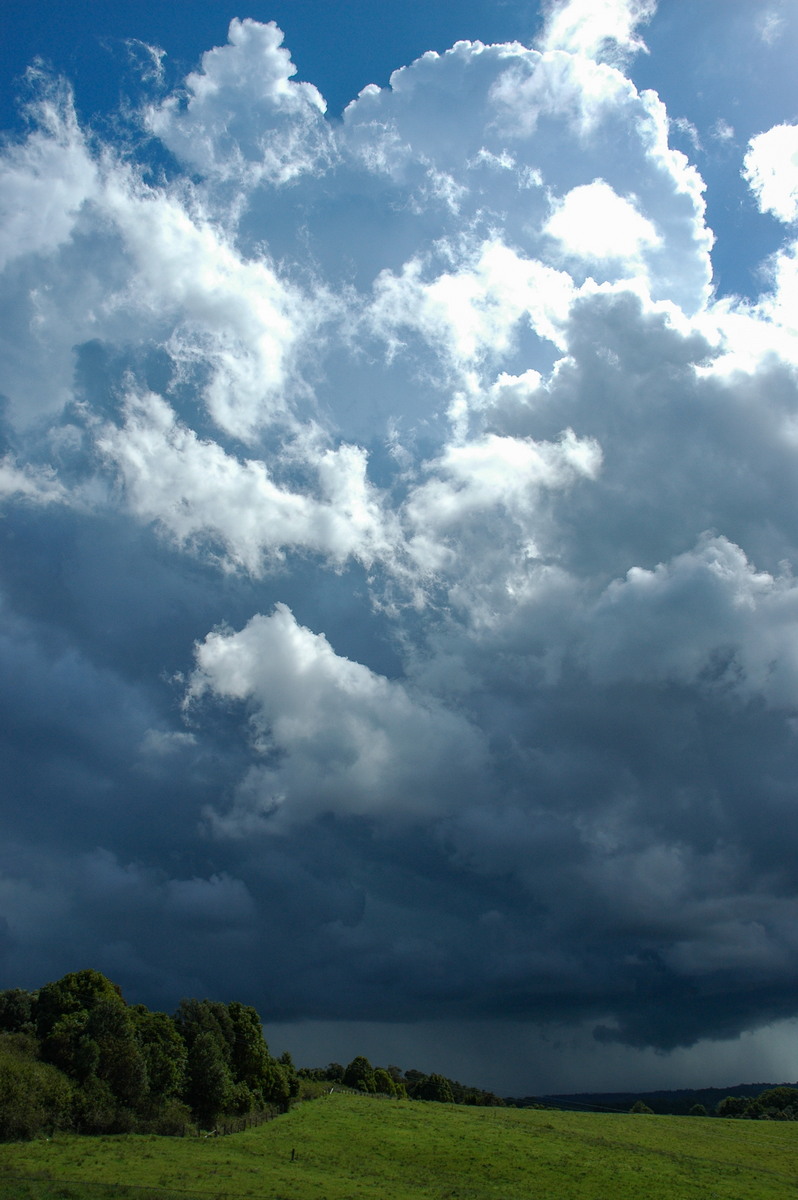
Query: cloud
(234,319)
(275,135)
(45,179)
(606,28)
(771,168)
(473,313)
(474,481)
(397,551)
(200,495)
(722,131)
(595,223)
(344,739)
(38,485)
(151,58)
(706,619)
(771,26)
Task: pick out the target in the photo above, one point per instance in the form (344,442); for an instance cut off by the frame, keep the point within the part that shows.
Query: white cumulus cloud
(274,135)
(344,739)
(596,27)
(204,497)
(771,168)
(593,222)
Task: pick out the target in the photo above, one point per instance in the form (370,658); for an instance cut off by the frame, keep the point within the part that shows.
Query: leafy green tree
(413,1079)
(359,1074)
(383,1083)
(194,1017)
(163,1051)
(77,992)
(70,1046)
(95,1041)
(754,1109)
(732,1106)
(434,1087)
(121,1063)
(698,1110)
(250,1060)
(779,1098)
(640,1106)
(16,1011)
(35,1097)
(95,1108)
(289,1073)
(209,1090)
(89,1033)
(253,1079)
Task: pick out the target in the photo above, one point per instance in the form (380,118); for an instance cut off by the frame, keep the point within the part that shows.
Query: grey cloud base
(397,617)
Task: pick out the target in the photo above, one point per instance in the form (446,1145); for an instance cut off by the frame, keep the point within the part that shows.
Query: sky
(398,526)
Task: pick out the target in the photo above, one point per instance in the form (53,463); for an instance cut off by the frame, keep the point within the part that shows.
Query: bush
(95,1107)
(35,1098)
(172,1119)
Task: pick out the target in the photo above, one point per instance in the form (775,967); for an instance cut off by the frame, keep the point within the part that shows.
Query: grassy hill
(348,1147)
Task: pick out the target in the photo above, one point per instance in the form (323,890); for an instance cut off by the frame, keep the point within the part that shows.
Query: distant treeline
(752,1101)
(74,1055)
(392,1081)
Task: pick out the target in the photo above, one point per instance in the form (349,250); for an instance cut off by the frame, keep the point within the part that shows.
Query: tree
(698,1110)
(779,1098)
(383,1083)
(95,1109)
(121,1063)
(88,1032)
(250,1060)
(35,1098)
(16,1011)
(434,1087)
(413,1078)
(194,1017)
(70,1047)
(163,1051)
(74,993)
(640,1107)
(732,1106)
(360,1074)
(209,1088)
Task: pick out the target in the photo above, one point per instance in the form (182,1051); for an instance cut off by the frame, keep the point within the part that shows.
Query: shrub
(35,1098)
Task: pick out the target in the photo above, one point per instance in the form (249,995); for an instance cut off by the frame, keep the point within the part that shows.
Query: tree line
(75,1056)
(392,1081)
(773,1104)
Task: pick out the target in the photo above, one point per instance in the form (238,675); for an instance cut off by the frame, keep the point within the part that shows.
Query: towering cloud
(398,548)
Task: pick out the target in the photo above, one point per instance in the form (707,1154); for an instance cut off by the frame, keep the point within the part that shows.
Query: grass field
(356,1148)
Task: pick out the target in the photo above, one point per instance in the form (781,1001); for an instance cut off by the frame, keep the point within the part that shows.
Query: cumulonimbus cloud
(412,461)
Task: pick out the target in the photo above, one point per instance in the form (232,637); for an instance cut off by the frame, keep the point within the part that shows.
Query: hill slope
(357,1148)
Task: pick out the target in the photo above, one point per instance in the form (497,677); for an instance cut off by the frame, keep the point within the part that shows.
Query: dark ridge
(676,1102)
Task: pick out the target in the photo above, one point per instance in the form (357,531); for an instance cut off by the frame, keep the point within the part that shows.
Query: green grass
(355,1148)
